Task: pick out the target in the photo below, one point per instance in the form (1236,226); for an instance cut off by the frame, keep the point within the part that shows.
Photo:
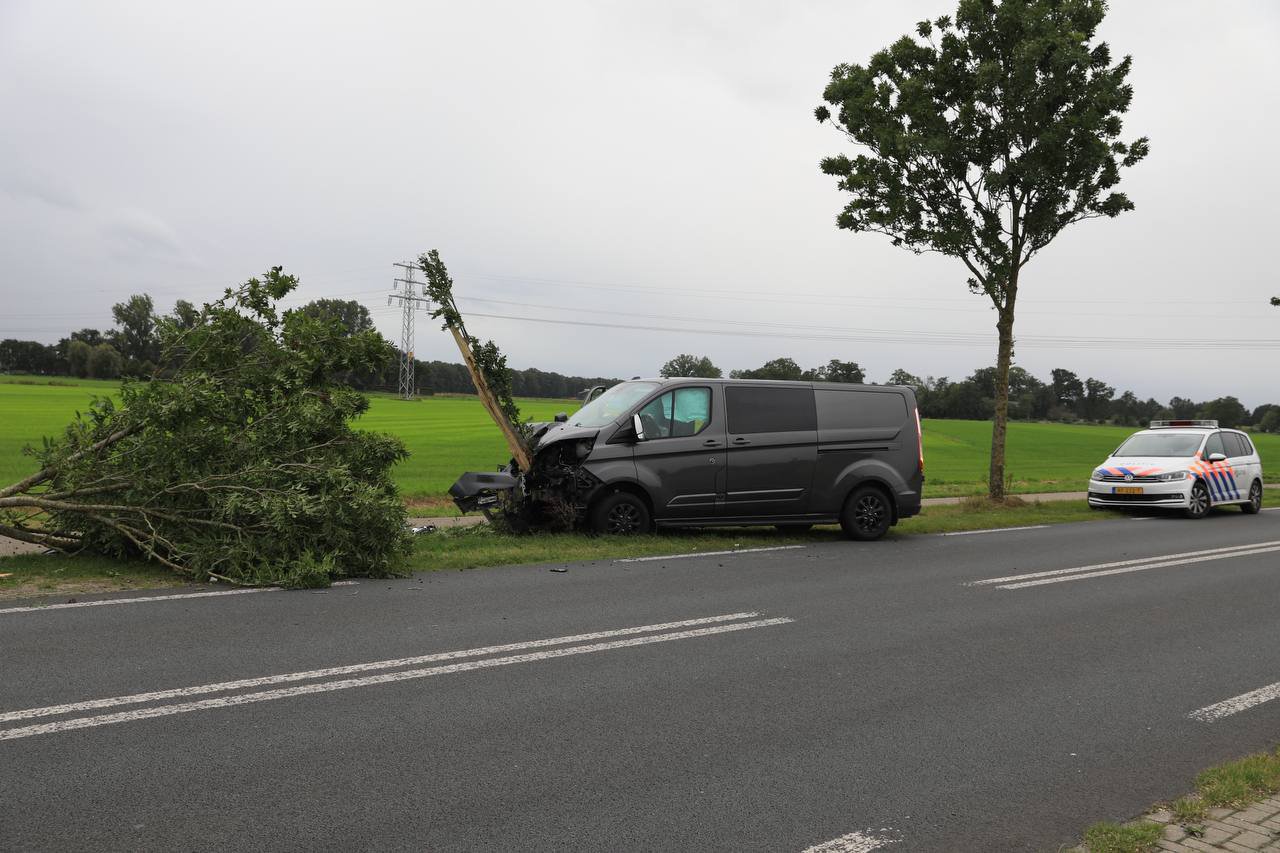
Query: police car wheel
(1254,506)
(1198,506)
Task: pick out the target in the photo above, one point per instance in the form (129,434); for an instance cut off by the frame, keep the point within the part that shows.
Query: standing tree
(778,368)
(836,370)
(983,138)
(690,365)
(137,321)
(353,316)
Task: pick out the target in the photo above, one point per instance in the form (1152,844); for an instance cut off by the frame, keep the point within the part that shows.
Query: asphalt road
(871,692)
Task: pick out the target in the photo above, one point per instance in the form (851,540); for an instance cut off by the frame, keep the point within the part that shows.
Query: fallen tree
(238,462)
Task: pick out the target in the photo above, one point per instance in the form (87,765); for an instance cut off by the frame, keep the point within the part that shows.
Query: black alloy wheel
(620,514)
(867,514)
(1254,506)
(1198,506)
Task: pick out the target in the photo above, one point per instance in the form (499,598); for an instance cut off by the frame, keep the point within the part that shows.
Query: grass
(482,546)
(1108,837)
(449,434)
(36,574)
(1232,785)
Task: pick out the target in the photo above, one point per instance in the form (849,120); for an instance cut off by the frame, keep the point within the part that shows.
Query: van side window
(682,412)
(757,409)
(1214,445)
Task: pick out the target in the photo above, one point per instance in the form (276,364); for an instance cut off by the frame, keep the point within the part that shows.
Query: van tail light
(920,440)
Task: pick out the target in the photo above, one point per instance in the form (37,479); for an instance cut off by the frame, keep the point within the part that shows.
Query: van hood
(545,435)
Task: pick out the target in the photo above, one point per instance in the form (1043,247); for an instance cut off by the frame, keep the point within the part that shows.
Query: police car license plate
(1127,490)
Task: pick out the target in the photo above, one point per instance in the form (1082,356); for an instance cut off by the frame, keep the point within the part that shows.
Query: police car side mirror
(1217,457)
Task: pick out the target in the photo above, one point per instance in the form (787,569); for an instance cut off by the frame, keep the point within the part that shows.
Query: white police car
(1186,465)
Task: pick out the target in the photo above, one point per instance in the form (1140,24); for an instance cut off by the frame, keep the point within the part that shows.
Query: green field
(449,435)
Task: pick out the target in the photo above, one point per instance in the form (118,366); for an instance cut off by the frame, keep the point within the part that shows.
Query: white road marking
(367,681)
(854,842)
(1236,704)
(710,554)
(1225,551)
(1141,568)
(995,530)
(329,672)
(102,602)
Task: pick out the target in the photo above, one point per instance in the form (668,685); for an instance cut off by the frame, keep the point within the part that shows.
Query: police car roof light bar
(1202,424)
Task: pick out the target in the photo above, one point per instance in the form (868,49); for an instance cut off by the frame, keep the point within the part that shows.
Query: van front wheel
(621,514)
(867,514)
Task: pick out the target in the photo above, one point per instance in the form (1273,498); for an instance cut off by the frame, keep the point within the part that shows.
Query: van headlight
(1173,475)
(1098,475)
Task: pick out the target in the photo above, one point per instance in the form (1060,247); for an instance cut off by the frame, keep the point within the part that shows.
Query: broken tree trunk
(515,443)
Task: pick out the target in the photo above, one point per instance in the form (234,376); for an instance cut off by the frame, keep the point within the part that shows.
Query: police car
(1190,465)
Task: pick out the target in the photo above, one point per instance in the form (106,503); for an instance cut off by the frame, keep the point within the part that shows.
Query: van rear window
(762,409)
(859,409)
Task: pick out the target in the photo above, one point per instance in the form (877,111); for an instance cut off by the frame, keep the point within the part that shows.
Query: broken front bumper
(480,490)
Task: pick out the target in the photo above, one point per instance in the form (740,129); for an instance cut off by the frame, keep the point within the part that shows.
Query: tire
(794,527)
(1199,506)
(621,514)
(867,514)
(1254,506)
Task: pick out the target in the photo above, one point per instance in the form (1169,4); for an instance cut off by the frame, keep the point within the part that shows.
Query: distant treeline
(131,349)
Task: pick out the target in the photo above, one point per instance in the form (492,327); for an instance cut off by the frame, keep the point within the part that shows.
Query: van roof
(794,383)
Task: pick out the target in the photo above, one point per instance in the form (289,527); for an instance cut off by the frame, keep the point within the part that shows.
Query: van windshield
(1161,444)
(617,401)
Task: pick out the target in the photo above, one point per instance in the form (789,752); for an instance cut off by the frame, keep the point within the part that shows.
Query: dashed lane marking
(146,599)
(710,554)
(995,530)
(238,699)
(854,842)
(1236,704)
(330,672)
(1120,567)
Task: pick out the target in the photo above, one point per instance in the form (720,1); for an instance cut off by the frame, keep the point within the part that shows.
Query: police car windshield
(1161,444)
(618,400)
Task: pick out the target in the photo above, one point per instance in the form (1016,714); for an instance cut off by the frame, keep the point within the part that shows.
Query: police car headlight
(1097,475)
(1173,475)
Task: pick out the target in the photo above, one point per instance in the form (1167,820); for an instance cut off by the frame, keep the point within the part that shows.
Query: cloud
(134,232)
(40,186)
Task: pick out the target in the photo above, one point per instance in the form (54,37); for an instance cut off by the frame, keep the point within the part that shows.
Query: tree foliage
(982,137)
(241,464)
(690,365)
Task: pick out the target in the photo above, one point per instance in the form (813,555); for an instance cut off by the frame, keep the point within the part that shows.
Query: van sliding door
(773,446)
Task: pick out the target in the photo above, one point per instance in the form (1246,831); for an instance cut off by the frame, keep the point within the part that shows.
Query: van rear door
(773,446)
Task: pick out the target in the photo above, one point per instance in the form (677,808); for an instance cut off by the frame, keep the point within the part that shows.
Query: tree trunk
(1000,422)
(517,447)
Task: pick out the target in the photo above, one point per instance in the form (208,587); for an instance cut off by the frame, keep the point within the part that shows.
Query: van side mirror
(638,427)
(1217,457)
(562,417)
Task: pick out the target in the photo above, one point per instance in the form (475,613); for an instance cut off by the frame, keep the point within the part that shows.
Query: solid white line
(854,842)
(367,681)
(1112,565)
(102,602)
(710,554)
(995,530)
(329,672)
(1141,568)
(1236,704)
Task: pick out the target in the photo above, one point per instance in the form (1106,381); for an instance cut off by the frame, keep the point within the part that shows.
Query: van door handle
(742,441)
(711,442)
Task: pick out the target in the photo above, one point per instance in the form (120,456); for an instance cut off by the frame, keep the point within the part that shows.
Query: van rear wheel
(867,514)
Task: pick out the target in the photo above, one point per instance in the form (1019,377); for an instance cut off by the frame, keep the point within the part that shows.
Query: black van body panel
(751,465)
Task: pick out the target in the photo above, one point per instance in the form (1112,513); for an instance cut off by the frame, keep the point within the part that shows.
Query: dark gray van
(701,452)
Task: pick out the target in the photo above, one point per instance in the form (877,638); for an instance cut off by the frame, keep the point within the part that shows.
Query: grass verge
(481,546)
(1231,785)
(28,575)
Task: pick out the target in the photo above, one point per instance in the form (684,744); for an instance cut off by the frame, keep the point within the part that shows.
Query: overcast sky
(636,165)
